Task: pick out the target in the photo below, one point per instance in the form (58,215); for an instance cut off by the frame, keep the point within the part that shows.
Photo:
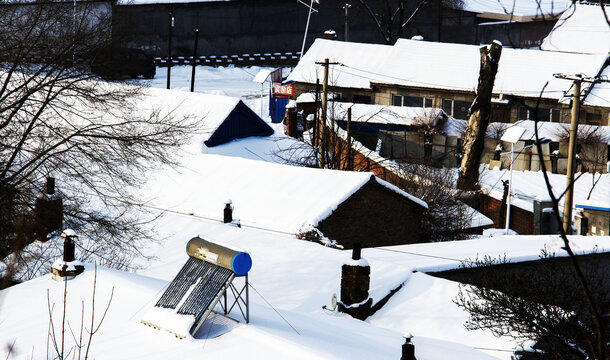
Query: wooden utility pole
(578,79)
(350,161)
(169,49)
(322,144)
(478,118)
(316,125)
(194,63)
(345,35)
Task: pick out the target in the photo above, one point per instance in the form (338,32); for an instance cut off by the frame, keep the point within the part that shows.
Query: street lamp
(513,135)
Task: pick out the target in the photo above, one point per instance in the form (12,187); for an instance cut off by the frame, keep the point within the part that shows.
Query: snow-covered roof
(356,55)
(581,29)
(297,277)
(433,65)
(600,93)
(274,196)
(528,185)
(212,110)
(384,114)
(554,131)
(516,8)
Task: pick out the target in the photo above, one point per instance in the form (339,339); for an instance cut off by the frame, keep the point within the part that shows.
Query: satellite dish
(333,302)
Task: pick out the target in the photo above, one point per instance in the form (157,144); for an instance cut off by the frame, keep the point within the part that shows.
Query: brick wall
(374,216)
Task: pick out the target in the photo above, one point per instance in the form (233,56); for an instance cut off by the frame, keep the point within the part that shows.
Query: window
(555,115)
(396,100)
(448,107)
(460,109)
(542,114)
(412,101)
(455,108)
(593,119)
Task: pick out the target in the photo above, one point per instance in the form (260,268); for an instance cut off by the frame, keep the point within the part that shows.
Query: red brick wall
(522,221)
(374,216)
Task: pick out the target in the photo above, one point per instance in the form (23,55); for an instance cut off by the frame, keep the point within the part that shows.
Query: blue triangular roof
(242,122)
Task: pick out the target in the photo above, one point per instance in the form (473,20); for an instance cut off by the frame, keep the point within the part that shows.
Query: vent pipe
(69,246)
(68,266)
(408,349)
(50,188)
(228,212)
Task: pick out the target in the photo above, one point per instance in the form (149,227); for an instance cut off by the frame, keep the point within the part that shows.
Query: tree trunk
(474,138)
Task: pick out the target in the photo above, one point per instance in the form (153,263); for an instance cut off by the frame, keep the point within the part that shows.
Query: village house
(441,75)
(329,206)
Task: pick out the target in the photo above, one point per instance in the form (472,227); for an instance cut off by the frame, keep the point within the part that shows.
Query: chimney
(355,282)
(68,266)
(50,186)
(228,212)
(408,349)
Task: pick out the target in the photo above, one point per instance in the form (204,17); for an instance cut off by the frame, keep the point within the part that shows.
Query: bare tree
(540,301)
(564,317)
(58,119)
(394,18)
(592,150)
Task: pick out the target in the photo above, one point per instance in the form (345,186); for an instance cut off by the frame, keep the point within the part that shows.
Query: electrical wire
(423,255)
(277,312)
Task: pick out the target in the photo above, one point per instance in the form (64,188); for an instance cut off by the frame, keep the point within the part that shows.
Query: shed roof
(280,197)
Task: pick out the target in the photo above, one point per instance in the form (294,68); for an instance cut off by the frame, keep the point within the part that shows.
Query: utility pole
(169,49)
(345,35)
(322,143)
(578,79)
(350,162)
(194,63)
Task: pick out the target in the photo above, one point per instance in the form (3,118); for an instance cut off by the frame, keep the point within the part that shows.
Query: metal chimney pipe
(50,187)
(228,212)
(356,251)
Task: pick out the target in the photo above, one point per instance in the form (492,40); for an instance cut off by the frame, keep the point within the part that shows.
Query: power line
(277,312)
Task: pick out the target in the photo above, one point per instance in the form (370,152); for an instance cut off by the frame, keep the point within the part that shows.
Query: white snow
(517,8)
(384,114)
(581,29)
(360,262)
(295,276)
(529,185)
(272,196)
(443,66)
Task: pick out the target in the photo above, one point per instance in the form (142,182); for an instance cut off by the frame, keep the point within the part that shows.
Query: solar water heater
(198,287)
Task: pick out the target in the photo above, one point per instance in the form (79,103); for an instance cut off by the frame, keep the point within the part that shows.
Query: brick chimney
(67,267)
(355,282)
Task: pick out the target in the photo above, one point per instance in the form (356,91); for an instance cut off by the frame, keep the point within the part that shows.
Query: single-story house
(443,75)
(341,206)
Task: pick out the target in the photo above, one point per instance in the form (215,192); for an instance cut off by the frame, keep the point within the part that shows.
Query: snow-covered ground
(227,81)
